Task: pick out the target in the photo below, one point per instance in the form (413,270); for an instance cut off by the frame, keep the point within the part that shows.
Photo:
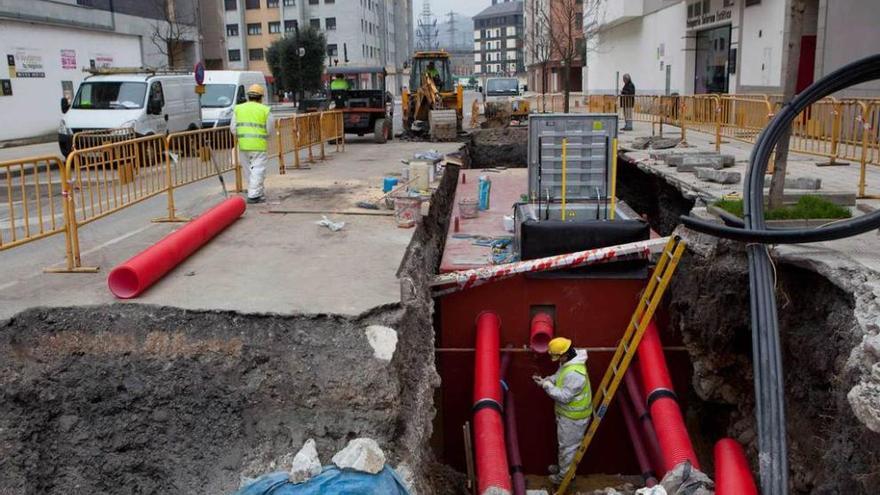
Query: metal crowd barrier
(34,202)
(100,137)
(305,131)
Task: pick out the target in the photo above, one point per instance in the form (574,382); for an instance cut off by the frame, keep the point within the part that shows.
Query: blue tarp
(332,480)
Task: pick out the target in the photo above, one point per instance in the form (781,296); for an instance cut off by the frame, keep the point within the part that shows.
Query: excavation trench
(825,312)
(130,398)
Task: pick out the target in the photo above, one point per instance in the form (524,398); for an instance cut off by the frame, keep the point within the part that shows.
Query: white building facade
(724,46)
(47,45)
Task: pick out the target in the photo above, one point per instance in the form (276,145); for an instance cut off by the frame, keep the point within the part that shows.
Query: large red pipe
(491,455)
(541,332)
(636,439)
(637,400)
(135,275)
(675,444)
(732,473)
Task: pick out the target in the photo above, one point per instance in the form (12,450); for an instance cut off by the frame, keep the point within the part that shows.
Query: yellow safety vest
(581,406)
(338,84)
(250,126)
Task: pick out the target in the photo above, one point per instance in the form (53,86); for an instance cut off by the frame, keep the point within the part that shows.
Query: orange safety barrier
(304,131)
(99,137)
(34,200)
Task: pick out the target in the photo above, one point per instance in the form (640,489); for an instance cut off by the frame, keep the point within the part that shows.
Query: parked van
(223,90)
(151,103)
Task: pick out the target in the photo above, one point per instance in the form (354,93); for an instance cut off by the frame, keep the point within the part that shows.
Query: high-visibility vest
(581,406)
(250,126)
(338,84)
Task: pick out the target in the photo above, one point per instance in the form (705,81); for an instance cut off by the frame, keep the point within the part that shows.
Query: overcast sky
(466,7)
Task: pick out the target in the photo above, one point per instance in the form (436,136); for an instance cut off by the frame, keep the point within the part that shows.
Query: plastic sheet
(331,480)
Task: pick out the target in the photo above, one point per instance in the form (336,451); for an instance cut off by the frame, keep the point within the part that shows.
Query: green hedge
(807,207)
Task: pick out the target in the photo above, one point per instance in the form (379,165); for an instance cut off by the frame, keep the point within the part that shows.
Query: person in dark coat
(627,101)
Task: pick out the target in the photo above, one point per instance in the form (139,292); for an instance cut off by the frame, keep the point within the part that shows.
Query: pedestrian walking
(570,389)
(627,101)
(252,127)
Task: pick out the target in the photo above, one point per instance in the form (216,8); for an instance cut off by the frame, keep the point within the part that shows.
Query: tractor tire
(380,131)
(390,129)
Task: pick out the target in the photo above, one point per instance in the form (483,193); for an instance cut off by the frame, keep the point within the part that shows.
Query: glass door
(713,56)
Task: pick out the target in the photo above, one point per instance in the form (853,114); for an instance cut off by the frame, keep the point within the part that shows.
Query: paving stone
(691,163)
(719,176)
(811,183)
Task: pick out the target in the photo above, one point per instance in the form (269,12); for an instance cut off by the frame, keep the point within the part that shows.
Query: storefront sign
(68,59)
(699,18)
(28,63)
(101,61)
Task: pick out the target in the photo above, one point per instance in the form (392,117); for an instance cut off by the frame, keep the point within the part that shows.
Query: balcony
(619,11)
(67,14)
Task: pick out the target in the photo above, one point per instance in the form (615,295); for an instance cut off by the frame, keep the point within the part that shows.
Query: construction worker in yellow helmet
(252,127)
(569,388)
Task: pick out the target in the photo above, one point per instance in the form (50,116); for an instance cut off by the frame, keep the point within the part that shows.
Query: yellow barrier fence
(33,200)
(100,137)
(303,132)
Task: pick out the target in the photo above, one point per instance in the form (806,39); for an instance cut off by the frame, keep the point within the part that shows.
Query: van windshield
(505,86)
(218,95)
(106,95)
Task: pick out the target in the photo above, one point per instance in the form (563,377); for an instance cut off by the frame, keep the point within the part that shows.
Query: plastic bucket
(407,211)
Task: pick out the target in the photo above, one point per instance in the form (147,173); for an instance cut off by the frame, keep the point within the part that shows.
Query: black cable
(766,349)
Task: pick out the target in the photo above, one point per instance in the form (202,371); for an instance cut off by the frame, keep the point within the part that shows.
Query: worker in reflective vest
(252,128)
(569,388)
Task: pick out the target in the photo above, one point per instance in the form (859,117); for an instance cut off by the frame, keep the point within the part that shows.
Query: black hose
(766,351)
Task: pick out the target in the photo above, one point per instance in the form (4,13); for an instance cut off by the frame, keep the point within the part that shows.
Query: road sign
(199,71)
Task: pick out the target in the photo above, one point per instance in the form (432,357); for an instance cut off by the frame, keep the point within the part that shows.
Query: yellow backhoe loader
(433,102)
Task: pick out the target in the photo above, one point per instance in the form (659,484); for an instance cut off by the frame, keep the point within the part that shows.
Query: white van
(150,103)
(223,90)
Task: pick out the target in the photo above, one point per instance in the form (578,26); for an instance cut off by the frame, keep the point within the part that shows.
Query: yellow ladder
(628,346)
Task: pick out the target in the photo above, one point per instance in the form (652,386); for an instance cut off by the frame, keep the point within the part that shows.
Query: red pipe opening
(144,269)
(732,473)
(490,451)
(541,332)
(675,443)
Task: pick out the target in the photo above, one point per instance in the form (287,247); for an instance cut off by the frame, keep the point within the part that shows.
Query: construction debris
(685,479)
(333,226)
(383,340)
(361,454)
(306,464)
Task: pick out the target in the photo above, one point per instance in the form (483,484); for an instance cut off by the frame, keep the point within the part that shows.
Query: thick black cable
(766,349)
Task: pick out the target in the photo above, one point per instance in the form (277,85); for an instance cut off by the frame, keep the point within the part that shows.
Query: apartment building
(549,25)
(359,32)
(47,44)
(725,46)
(498,46)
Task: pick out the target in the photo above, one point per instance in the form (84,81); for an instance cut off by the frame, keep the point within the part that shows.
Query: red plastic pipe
(732,473)
(675,444)
(513,456)
(490,452)
(636,400)
(144,269)
(541,332)
(636,439)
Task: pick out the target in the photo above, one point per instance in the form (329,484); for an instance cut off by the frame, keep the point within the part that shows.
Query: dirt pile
(505,147)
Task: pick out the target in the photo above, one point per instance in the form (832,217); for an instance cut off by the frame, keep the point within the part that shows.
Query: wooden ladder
(628,346)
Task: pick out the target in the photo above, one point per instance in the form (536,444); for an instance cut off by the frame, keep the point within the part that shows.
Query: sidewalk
(265,262)
(839,259)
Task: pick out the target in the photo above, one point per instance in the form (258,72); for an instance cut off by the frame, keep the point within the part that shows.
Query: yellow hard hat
(558,347)
(255,89)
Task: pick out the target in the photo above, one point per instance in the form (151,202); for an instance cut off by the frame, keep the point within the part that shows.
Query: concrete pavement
(263,263)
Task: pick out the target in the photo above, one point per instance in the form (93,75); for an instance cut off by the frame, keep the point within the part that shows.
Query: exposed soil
(651,196)
(505,147)
(129,399)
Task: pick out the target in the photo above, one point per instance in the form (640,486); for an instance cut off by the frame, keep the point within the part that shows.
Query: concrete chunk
(306,464)
(811,183)
(719,176)
(361,454)
(383,340)
(691,163)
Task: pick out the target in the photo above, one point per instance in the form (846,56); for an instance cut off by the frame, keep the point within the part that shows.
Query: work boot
(258,199)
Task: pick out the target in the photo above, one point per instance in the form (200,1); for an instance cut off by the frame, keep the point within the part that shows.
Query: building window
(232,30)
(274,27)
(231,4)
(255,29)
(313,2)
(252,4)
(255,54)
(329,1)
(235,55)
(315,23)
(330,23)
(290,3)
(272,4)
(290,26)
(332,50)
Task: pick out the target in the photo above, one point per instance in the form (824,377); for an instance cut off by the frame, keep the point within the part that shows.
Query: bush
(808,207)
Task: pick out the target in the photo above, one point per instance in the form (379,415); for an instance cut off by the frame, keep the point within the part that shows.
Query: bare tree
(566,21)
(789,88)
(537,40)
(173,31)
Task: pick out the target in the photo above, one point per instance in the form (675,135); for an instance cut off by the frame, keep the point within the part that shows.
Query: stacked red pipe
(144,269)
(675,444)
(637,400)
(638,446)
(732,473)
(490,452)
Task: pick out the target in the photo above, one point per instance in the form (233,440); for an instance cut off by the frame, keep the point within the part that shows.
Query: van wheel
(380,131)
